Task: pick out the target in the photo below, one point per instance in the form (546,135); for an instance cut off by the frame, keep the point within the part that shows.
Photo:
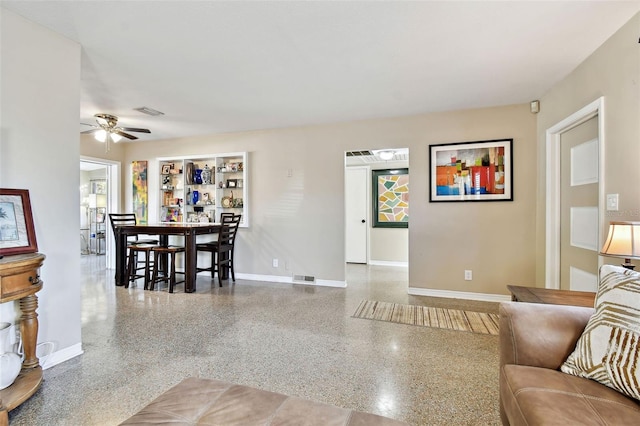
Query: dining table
(189,231)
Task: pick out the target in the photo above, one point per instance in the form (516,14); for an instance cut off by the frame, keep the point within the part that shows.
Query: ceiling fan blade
(134,129)
(126,135)
(88,132)
(86,124)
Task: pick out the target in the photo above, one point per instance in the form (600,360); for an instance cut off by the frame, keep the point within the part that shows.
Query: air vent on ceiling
(149,111)
(358,153)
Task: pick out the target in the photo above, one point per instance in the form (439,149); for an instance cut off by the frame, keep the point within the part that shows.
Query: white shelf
(228,186)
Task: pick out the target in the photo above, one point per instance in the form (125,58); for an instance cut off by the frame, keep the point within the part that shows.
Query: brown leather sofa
(535,339)
(197,401)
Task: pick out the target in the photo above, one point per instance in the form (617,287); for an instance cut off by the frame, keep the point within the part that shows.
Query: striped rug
(452,319)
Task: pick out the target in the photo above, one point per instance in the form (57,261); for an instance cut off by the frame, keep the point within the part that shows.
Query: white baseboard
(58,357)
(388,263)
(289,280)
(485,297)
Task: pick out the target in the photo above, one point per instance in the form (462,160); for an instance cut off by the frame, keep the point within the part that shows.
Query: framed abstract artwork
(17,233)
(471,171)
(390,198)
(99,186)
(140,195)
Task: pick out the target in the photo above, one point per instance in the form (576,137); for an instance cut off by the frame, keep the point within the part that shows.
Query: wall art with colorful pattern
(391,198)
(140,193)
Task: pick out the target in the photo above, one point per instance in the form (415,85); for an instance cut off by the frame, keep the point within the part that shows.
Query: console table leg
(29,330)
(4,415)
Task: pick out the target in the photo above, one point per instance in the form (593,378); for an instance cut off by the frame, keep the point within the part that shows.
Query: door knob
(362,220)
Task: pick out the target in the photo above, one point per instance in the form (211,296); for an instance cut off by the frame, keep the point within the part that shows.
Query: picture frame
(17,232)
(166,169)
(232,183)
(471,171)
(98,186)
(390,189)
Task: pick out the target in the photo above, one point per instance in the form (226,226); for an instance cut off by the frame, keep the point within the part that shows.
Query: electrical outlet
(275,263)
(468,275)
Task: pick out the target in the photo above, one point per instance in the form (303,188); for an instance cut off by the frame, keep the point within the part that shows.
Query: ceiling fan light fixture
(101,136)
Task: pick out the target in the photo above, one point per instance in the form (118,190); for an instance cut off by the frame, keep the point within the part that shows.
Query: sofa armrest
(540,335)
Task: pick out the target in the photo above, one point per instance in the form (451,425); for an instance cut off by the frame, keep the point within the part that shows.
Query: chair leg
(172,279)
(147,270)
(130,266)
(233,273)
(219,269)
(154,276)
(213,263)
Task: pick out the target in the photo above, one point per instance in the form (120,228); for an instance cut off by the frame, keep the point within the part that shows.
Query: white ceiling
(215,66)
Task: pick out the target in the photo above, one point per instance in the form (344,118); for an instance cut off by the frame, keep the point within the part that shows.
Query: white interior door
(356,214)
(579,215)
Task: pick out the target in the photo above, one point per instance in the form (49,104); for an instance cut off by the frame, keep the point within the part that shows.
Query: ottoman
(197,401)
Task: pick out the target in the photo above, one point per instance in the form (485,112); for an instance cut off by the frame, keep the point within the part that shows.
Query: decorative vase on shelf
(195,195)
(206,175)
(189,173)
(197,177)
(10,362)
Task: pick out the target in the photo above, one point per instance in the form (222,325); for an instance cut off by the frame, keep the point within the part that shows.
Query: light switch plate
(612,202)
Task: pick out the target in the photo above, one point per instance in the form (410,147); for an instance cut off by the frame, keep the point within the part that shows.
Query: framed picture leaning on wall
(17,233)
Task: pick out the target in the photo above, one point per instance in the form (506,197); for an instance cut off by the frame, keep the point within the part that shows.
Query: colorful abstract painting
(471,171)
(140,193)
(391,198)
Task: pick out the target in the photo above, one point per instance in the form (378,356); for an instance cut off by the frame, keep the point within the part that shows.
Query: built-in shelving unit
(200,188)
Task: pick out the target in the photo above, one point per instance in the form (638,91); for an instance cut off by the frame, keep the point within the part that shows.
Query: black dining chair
(222,250)
(169,275)
(134,263)
(118,219)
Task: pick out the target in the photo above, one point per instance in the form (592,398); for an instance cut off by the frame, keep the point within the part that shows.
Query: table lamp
(623,241)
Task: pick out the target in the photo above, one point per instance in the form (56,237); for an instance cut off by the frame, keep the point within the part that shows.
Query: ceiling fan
(107,129)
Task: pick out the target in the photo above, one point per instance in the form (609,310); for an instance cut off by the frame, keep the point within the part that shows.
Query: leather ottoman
(197,401)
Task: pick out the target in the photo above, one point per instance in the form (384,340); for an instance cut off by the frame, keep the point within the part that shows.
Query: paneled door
(356,214)
(579,186)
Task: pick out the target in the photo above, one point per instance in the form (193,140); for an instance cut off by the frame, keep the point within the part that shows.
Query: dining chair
(120,219)
(135,264)
(169,275)
(222,250)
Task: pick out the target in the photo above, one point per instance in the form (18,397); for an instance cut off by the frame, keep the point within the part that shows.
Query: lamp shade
(623,240)
(101,136)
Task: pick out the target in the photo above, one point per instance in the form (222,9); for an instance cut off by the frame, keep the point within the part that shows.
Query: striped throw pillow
(609,349)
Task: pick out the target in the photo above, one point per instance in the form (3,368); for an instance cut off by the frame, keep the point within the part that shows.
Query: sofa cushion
(535,396)
(196,401)
(608,350)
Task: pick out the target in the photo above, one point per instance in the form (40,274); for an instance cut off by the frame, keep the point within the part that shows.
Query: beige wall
(300,220)
(612,71)
(40,105)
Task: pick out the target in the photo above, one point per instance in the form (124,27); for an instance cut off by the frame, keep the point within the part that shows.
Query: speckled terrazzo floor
(294,339)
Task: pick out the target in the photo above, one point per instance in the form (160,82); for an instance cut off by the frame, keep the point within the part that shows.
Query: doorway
(363,243)
(586,218)
(99,195)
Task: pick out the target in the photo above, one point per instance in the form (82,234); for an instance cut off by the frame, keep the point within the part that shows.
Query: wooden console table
(552,297)
(20,280)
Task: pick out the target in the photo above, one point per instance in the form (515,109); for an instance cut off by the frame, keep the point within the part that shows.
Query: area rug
(452,319)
